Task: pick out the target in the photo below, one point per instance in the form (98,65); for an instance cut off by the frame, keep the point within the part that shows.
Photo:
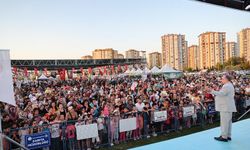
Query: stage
(205,140)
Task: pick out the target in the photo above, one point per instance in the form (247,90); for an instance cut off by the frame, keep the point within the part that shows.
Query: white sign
(6,87)
(188,111)
(86,131)
(127,124)
(134,85)
(159,116)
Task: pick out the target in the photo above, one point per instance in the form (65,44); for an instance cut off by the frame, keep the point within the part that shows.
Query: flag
(126,67)
(119,68)
(45,71)
(82,71)
(100,71)
(90,70)
(36,71)
(62,74)
(105,70)
(14,70)
(113,69)
(6,81)
(25,71)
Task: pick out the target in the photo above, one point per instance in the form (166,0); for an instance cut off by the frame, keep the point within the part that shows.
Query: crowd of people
(59,106)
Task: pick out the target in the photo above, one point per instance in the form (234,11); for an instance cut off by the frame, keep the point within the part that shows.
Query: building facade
(120,56)
(212,47)
(87,57)
(174,51)
(244,43)
(193,57)
(132,53)
(107,53)
(142,54)
(231,50)
(154,59)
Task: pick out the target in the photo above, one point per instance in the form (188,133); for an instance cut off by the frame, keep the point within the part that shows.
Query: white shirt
(139,107)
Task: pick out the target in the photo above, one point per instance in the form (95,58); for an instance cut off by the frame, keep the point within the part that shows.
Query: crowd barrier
(91,133)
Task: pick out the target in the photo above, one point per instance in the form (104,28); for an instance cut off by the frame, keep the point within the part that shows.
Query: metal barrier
(64,136)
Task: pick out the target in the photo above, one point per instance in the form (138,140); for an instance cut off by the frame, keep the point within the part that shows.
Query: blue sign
(37,140)
(211,109)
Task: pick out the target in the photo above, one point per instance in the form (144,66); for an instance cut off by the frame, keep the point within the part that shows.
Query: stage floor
(205,140)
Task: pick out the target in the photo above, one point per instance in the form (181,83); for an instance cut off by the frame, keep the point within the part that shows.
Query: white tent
(42,77)
(146,71)
(127,72)
(168,69)
(138,71)
(155,70)
(132,71)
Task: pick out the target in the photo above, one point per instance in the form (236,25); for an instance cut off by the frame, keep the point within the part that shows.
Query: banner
(127,124)
(37,140)
(6,87)
(86,131)
(159,116)
(188,111)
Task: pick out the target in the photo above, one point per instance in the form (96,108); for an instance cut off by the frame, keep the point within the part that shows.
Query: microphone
(248,7)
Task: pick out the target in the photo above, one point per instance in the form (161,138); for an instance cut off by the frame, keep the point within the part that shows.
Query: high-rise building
(230,51)
(244,43)
(132,53)
(211,46)
(107,53)
(142,54)
(154,59)
(120,56)
(86,57)
(174,49)
(193,57)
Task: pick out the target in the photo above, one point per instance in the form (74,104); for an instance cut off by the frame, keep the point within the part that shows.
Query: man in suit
(225,104)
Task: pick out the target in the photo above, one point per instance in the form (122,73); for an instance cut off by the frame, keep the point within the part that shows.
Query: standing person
(224,103)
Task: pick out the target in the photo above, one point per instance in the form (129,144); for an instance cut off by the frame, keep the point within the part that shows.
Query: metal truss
(73,63)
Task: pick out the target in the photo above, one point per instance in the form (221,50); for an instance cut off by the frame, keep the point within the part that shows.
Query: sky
(69,29)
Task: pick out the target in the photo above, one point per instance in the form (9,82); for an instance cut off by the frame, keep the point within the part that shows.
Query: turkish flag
(119,68)
(90,70)
(62,74)
(126,67)
(100,71)
(45,71)
(25,71)
(113,69)
(14,70)
(82,71)
(36,71)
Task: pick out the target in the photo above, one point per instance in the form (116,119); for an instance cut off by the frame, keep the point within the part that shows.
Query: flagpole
(1,139)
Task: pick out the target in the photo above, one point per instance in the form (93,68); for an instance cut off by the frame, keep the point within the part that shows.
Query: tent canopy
(42,77)
(155,69)
(168,69)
